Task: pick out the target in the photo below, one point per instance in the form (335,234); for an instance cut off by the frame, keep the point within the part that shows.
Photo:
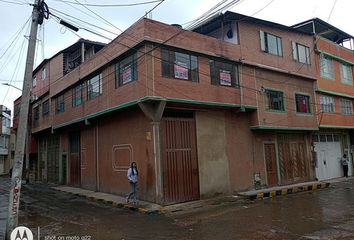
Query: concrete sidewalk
(284,190)
(115,200)
(5,183)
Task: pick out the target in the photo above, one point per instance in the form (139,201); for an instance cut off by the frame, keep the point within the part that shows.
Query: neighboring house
(45,155)
(5,132)
(334,97)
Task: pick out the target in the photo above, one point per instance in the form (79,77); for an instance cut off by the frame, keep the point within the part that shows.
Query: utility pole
(14,199)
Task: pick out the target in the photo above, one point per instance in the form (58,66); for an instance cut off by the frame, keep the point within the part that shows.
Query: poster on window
(225,77)
(181,71)
(127,74)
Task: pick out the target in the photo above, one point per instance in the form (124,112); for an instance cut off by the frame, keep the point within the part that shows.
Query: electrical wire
(111,5)
(13,2)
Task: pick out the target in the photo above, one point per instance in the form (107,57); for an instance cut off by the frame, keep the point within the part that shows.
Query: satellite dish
(230,34)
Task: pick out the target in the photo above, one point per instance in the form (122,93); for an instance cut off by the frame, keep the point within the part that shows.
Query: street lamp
(10,85)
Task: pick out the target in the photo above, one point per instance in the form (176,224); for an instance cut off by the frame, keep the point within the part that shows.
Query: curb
(132,207)
(286,191)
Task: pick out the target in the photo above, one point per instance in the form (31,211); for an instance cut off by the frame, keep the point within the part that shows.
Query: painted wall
(212,158)
(122,138)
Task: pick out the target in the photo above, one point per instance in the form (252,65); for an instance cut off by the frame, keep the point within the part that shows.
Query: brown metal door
(270,158)
(180,165)
(293,158)
(75,166)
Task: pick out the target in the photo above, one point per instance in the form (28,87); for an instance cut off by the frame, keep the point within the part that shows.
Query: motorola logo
(21,233)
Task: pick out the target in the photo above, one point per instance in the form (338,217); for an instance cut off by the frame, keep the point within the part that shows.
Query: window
(225,74)
(44,73)
(327,103)
(77,95)
(4,141)
(34,81)
(45,108)
(94,87)
(302,103)
(274,100)
(346,106)
(326,67)
(36,116)
(127,70)
(346,74)
(179,65)
(60,104)
(6,122)
(301,53)
(271,44)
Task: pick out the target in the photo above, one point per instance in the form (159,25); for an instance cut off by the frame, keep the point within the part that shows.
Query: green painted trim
(334,126)
(335,93)
(178,100)
(68,123)
(262,127)
(150,98)
(109,110)
(336,57)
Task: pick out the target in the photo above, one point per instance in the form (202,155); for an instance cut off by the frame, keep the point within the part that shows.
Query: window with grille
(94,87)
(302,103)
(274,100)
(127,70)
(179,65)
(346,74)
(346,106)
(326,65)
(327,103)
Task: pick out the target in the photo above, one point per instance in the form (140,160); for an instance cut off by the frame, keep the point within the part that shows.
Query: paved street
(4,197)
(323,214)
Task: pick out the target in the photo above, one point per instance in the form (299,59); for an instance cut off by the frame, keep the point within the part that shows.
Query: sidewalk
(115,200)
(284,190)
(4,199)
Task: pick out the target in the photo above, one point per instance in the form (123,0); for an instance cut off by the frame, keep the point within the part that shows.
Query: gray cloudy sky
(54,37)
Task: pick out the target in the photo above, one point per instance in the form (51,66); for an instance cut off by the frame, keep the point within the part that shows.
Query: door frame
(276,160)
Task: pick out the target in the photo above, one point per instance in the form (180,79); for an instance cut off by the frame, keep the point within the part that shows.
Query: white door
(329,152)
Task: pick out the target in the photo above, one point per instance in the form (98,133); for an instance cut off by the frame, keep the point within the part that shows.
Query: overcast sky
(54,37)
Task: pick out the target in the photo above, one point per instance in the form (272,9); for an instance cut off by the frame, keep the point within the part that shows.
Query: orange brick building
(226,107)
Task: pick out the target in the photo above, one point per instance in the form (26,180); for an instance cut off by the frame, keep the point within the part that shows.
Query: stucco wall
(212,159)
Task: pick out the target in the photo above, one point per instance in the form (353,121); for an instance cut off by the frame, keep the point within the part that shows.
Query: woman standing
(133,180)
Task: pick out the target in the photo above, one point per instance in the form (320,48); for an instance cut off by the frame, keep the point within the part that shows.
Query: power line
(12,2)
(111,5)
(330,14)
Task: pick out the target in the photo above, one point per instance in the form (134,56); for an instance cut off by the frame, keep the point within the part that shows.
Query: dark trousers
(345,170)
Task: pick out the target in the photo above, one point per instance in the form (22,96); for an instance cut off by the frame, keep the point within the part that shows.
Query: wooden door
(75,166)
(180,165)
(271,164)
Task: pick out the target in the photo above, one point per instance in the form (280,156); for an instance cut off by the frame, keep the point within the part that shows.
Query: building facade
(227,106)
(5,120)
(334,97)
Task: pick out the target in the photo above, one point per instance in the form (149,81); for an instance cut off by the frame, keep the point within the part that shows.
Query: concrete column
(154,111)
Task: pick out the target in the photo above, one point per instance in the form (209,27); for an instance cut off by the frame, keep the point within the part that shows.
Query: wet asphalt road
(323,214)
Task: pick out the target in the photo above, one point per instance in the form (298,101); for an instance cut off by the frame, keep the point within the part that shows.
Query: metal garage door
(180,165)
(328,150)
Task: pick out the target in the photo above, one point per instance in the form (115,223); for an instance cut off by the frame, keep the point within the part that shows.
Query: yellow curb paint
(305,188)
(142,210)
(284,191)
(162,210)
(314,186)
(272,194)
(260,195)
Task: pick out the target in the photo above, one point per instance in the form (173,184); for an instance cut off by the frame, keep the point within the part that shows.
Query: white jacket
(132,177)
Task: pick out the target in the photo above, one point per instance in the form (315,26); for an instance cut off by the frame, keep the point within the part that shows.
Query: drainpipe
(82,52)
